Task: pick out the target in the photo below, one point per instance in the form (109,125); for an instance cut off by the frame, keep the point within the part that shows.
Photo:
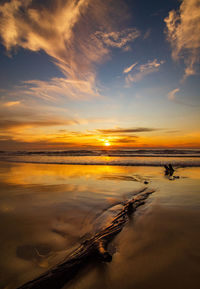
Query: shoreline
(176,164)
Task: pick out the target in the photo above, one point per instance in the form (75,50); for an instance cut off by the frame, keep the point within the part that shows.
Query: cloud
(10,124)
(125,140)
(171,94)
(182,29)
(59,88)
(143,70)
(128,69)
(20,127)
(147,34)
(13,144)
(77,35)
(126,130)
(14,118)
(40,126)
(11,103)
(118,39)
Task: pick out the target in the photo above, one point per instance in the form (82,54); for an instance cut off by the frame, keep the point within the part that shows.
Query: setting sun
(106,143)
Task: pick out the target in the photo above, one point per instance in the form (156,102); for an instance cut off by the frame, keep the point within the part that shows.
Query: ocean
(136,157)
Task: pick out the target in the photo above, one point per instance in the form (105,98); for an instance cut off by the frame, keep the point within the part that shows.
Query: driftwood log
(169,170)
(94,248)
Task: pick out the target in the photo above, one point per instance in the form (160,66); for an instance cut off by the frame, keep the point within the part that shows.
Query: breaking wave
(136,157)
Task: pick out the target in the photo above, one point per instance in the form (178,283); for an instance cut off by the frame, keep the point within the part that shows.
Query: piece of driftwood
(94,248)
(169,171)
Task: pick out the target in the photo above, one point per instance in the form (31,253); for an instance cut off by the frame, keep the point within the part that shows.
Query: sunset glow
(99,114)
(106,143)
(74,78)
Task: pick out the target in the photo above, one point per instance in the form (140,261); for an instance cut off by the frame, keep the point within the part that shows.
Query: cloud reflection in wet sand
(47,209)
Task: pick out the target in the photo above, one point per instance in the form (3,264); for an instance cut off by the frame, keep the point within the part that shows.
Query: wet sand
(46,210)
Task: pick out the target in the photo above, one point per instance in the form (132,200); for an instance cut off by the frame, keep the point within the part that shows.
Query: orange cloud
(183,32)
(26,123)
(61,139)
(143,70)
(126,130)
(61,87)
(77,35)
(128,69)
(171,94)
(118,39)
(11,103)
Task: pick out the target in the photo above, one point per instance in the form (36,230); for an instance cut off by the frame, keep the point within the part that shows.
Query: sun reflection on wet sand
(47,209)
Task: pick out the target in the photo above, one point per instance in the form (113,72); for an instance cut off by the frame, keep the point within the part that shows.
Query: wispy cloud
(126,130)
(129,68)
(77,35)
(183,28)
(19,117)
(118,39)
(12,124)
(58,88)
(40,126)
(128,140)
(11,103)
(147,34)
(143,70)
(171,94)
(20,129)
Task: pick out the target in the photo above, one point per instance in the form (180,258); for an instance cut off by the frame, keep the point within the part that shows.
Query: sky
(99,74)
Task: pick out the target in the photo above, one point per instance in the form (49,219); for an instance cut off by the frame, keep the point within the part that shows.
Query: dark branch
(94,248)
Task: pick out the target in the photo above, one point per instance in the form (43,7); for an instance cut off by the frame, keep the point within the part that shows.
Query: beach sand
(46,210)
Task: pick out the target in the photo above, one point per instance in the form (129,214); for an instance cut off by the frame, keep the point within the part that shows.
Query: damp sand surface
(46,210)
